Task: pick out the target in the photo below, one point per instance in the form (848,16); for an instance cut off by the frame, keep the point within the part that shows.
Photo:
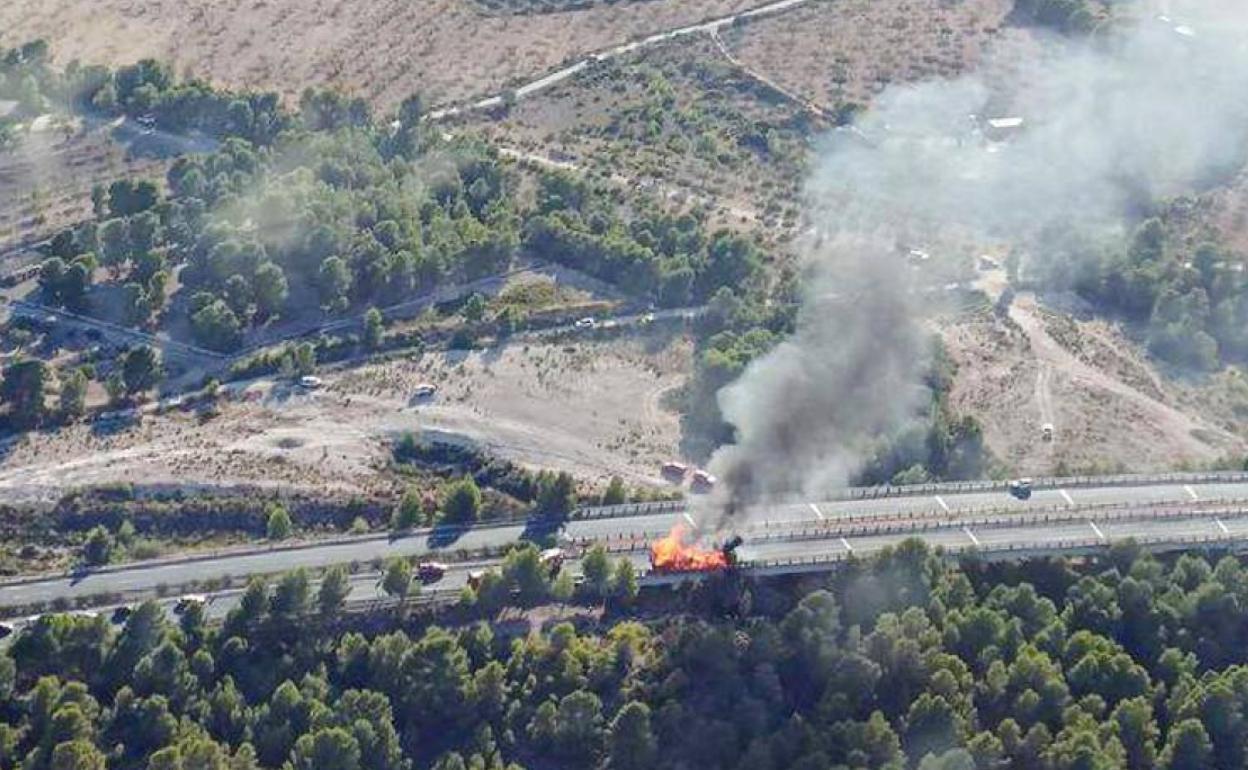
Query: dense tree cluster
(25,75)
(668,258)
(1192,302)
(1072,16)
(1127,663)
(324,207)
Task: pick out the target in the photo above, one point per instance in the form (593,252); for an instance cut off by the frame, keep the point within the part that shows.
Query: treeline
(904,661)
(667,258)
(25,383)
(513,489)
(1064,15)
(147,90)
(1191,302)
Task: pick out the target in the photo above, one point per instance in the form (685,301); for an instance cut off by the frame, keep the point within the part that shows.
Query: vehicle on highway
(310,382)
(672,554)
(431,571)
(674,472)
(702,481)
(1020,488)
(184,603)
(122,614)
(586,323)
(426,389)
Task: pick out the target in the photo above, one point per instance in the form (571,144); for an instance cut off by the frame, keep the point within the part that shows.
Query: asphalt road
(838,523)
(1023,538)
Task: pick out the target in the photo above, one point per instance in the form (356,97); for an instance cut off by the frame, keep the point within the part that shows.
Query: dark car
(431,571)
(1021,488)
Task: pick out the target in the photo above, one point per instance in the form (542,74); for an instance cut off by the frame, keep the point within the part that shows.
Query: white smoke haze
(1112,125)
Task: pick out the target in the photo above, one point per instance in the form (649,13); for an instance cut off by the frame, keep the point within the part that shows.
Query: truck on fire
(673,555)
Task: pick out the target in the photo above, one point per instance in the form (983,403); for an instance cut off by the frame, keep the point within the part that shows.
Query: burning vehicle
(674,553)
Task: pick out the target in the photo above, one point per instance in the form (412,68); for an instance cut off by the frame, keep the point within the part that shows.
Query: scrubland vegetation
(1126,662)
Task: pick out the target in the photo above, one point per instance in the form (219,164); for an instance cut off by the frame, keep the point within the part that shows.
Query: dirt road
(558,76)
(1110,409)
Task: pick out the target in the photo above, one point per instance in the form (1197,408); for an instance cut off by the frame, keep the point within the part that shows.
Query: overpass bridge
(1175,511)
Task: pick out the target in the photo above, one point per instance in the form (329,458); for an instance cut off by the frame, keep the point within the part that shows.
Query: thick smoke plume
(1112,124)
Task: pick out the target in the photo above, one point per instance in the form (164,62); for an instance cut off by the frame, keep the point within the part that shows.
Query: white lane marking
(1191,493)
(818,512)
(1066,496)
(1097,530)
(971,535)
(942,503)
(689,519)
(848,547)
(1222,526)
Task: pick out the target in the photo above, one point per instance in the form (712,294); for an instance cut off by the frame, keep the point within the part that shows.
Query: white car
(310,383)
(586,323)
(426,389)
(184,603)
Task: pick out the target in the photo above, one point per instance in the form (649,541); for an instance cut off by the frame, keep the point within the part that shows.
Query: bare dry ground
(591,408)
(447,50)
(850,50)
(1111,410)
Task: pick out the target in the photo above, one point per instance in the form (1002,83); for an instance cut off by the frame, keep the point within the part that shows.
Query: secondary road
(562,74)
(828,528)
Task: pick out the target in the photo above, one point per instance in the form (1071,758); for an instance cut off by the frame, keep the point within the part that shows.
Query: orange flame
(671,554)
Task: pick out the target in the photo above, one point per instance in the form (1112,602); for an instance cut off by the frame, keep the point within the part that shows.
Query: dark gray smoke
(849,372)
(1156,108)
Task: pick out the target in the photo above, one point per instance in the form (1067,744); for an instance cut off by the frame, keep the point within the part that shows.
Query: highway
(829,529)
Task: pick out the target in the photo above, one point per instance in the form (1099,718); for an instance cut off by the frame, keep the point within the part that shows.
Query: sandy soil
(1111,410)
(447,50)
(592,409)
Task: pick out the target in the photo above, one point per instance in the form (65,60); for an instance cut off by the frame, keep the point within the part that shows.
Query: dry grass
(850,50)
(383,49)
(46,180)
